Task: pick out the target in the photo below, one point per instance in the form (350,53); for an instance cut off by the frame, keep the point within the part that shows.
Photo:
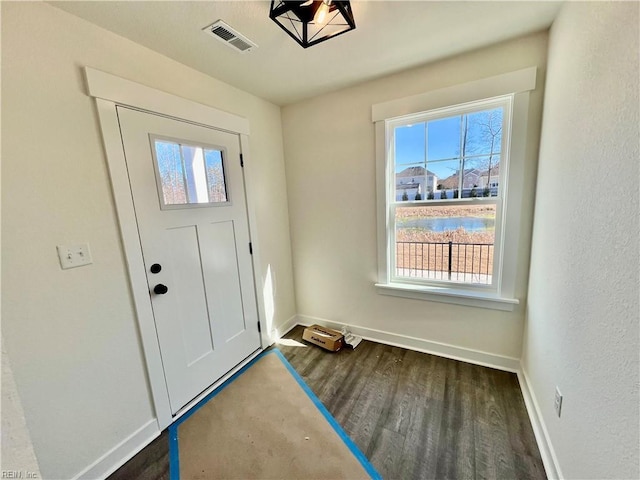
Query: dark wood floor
(418,416)
(412,414)
(152,463)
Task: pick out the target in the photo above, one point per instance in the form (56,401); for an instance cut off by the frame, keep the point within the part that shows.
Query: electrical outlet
(72,256)
(557,404)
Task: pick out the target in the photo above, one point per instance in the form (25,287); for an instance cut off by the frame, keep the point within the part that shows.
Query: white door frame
(110,91)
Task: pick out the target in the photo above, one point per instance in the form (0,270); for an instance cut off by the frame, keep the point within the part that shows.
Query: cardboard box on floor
(326,338)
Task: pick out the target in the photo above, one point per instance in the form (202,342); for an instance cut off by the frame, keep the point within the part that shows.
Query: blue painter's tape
(364,461)
(174,458)
(174,462)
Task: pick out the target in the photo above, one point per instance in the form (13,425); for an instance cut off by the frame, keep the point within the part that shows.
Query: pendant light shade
(312,22)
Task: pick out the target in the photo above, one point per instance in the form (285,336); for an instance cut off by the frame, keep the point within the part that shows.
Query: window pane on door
(189,174)
(171,173)
(215,176)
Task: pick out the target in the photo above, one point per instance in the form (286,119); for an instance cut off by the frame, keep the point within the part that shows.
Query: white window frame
(504,102)
(501,294)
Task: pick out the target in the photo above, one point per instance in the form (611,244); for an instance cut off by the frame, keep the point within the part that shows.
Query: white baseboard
(125,450)
(545,446)
(121,453)
(476,357)
(282,330)
(129,447)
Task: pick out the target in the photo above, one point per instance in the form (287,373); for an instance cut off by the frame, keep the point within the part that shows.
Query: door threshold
(215,385)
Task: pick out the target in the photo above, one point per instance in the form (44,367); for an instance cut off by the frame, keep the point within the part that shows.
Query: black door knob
(155,268)
(160,289)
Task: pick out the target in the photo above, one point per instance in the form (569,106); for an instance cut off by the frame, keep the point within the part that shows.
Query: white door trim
(110,91)
(126,92)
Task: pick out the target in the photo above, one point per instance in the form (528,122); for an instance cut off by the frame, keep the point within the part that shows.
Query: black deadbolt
(155,268)
(160,289)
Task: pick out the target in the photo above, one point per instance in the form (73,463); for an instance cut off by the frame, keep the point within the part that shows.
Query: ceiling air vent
(229,36)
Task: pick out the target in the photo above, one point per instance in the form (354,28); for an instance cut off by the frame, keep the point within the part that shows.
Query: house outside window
(449,189)
(414,183)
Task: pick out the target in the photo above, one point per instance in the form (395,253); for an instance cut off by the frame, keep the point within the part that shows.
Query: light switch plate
(557,404)
(72,256)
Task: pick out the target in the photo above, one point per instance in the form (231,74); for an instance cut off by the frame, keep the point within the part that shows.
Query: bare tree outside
(215,176)
(464,134)
(171,172)
(489,142)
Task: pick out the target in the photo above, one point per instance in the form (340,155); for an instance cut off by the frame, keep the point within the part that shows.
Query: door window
(188,174)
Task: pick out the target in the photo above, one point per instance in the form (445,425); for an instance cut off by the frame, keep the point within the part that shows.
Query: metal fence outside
(458,262)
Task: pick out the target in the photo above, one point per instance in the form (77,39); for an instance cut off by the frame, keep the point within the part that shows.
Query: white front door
(188,193)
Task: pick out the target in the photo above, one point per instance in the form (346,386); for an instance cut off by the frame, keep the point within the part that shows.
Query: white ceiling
(390,36)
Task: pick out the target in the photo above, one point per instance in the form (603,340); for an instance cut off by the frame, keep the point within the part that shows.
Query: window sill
(448,295)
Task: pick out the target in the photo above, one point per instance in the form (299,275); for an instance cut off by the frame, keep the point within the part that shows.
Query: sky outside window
(426,143)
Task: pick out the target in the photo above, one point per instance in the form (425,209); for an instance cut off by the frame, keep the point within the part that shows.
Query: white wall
(583,312)
(72,335)
(330,163)
(17,449)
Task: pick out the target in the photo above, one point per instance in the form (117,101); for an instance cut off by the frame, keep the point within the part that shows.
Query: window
(188,174)
(445,223)
(450,182)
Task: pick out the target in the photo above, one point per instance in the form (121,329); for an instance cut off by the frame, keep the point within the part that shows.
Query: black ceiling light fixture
(312,22)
